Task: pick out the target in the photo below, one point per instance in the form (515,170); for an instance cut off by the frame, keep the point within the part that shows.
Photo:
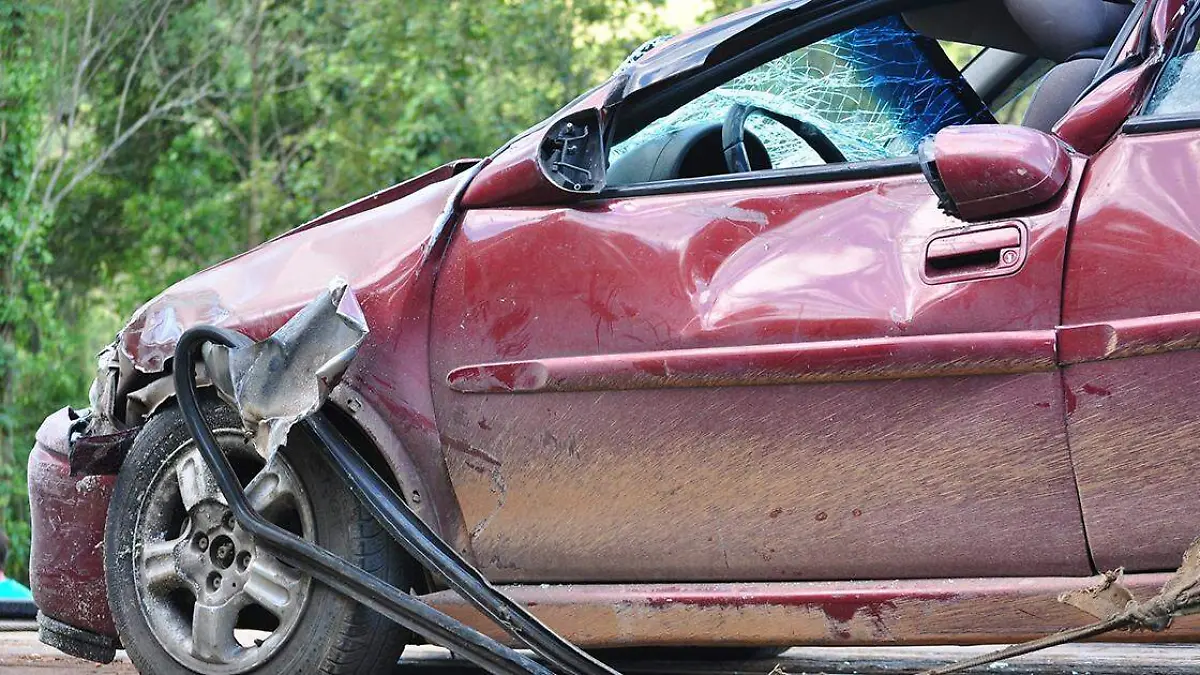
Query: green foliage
(141,140)
(21,249)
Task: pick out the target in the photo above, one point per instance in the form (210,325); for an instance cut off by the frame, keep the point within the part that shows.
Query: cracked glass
(876,91)
(1178,89)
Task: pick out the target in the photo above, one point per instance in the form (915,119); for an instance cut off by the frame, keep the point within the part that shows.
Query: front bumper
(66,566)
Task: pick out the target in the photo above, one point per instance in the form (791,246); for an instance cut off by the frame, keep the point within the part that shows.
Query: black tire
(333,635)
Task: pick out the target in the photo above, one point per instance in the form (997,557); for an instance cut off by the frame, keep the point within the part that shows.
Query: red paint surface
(994,170)
(385,254)
(1166,18)
(391,194)
(946,611)
(1094,120)
(1133,437)
(66,559)
(1132,309)
(514,177)
(1123,338)
(837,361)
(1135,252)
(605,303)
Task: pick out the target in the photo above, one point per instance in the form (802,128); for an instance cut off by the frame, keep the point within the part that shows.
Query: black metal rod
(394,603)
(435,555)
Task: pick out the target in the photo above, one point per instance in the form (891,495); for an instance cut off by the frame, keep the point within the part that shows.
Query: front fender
(387,252)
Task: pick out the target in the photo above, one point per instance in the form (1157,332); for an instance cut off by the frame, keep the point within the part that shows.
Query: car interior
(1047,54)
(1075,35)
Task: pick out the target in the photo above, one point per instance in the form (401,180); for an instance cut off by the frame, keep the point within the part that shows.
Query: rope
(1060,638)
(1179,596)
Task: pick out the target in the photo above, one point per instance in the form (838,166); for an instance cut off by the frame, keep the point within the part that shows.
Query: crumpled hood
(377,249)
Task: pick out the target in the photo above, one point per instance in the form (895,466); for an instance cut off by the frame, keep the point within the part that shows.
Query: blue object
(16,601)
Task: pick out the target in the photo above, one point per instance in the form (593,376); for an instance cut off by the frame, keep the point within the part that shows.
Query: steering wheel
(733,136)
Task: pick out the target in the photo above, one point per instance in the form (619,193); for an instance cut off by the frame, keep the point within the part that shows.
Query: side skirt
(907,612)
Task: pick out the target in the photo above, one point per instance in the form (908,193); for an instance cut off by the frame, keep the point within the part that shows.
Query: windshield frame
(672,99)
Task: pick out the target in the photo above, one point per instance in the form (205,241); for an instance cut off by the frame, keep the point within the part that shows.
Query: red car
(776,337)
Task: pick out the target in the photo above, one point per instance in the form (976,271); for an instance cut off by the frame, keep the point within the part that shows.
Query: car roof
(690,50)
(696,48)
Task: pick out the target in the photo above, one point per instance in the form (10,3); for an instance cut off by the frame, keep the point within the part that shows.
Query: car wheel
(191,593)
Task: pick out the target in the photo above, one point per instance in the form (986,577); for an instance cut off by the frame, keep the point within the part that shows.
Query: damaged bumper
(71,473)
(66,566)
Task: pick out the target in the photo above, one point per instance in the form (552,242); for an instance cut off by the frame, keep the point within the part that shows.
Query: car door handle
(975,254)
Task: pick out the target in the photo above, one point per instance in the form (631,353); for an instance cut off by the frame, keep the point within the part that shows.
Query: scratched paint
(66,564)
(1131,287)
(944,611)
(599,466)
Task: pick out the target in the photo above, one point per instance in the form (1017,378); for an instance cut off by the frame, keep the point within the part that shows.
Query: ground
(22,654)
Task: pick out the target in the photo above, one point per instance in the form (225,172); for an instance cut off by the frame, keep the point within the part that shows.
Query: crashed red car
(776,337)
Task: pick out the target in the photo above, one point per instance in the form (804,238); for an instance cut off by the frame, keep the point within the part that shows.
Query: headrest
(1064,28)
(1052,29)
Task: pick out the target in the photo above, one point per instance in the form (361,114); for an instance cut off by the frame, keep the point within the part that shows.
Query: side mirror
(558,164)
(572,153)
(987,171)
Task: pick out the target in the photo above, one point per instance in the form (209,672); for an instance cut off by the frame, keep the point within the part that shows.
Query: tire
(154,568)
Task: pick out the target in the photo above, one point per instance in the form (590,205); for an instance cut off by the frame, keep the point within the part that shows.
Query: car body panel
(390,194)
(1094,120)
(1132,295)
(257,292)
(66,560)
(863,360)
(627,457)
(1167,16)
(1097,116)
(941,612)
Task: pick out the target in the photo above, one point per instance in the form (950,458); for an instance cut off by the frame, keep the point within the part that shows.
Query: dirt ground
(22,654)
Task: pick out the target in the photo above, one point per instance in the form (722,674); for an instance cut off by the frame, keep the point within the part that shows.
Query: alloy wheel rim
(214,601)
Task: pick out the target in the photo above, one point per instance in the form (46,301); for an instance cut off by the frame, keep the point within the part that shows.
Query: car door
(791,374)
(1131,318)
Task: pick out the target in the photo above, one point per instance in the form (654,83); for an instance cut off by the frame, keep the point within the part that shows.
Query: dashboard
(690,152)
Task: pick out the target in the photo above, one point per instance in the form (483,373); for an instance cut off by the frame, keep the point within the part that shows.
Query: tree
(143,139)
(19,82)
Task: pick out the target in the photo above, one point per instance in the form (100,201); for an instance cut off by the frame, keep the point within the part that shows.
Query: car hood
(379,244)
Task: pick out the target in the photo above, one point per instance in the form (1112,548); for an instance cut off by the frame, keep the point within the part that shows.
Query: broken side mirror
(983,172)
(572,154)
(561,163)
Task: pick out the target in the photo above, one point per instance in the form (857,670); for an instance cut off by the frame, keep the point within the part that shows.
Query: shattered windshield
(875,91)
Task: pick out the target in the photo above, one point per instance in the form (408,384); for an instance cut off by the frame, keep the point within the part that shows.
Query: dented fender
(386,247)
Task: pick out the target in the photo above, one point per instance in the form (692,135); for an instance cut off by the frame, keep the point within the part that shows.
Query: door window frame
(1143,123)
(804,175)
(641,108)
